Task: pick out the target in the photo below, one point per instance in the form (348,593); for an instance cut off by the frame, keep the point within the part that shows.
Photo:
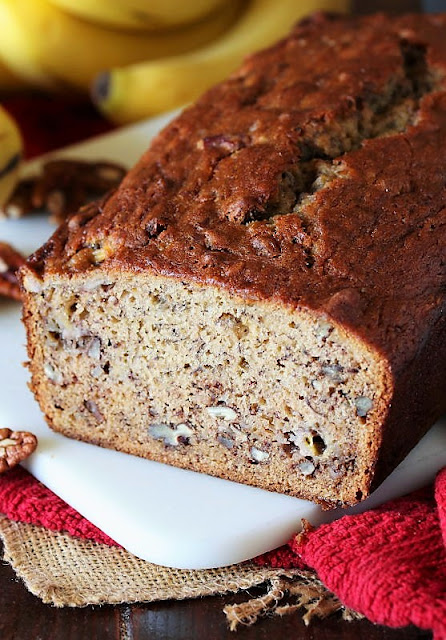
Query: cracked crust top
(315,175)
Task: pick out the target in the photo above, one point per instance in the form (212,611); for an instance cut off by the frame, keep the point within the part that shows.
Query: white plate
(165,515)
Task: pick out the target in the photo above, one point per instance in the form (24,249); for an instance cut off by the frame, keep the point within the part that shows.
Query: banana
(10,155)
(126,94)
(140,14)
(51,48)
(8,81)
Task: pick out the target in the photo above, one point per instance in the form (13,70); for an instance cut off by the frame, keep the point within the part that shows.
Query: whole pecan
(15,446)
(62,187)
(10,261)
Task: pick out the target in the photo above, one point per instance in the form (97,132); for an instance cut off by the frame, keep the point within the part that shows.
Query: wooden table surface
(24,617)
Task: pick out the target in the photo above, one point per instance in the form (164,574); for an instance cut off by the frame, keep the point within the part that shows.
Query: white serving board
(165,515)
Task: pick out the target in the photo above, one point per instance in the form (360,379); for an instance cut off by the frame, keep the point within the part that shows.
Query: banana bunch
(138,57)
(8,81)
(140,14)
(129,93)
(47,46)
(10,155)
(134,92)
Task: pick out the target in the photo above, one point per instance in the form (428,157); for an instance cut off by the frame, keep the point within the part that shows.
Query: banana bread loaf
(262,299)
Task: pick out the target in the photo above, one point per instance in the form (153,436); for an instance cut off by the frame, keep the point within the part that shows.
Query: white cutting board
(165,515)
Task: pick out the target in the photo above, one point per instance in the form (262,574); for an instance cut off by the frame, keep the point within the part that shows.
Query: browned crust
(382,213)
(368,251)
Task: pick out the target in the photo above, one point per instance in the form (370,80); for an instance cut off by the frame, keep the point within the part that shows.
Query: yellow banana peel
(140,14)
(8,80)
(49,47)
(10,155)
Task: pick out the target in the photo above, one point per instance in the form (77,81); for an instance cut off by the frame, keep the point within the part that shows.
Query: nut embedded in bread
(263,297)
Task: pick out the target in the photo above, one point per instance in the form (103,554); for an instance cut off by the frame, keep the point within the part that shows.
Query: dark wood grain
(195,618)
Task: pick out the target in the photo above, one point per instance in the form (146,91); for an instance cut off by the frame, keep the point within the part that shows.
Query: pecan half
(63,186)
(10,261)
(19,202)
(15,446)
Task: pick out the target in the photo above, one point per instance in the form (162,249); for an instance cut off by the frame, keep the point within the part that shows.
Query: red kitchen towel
(25,499)
(389,563)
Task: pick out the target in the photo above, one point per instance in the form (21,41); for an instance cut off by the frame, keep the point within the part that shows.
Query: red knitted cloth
(388,563)
(25,499)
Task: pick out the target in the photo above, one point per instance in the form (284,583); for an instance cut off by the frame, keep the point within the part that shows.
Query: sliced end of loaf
(275,397)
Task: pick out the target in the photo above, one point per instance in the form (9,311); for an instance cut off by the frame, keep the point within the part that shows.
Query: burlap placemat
(66,571)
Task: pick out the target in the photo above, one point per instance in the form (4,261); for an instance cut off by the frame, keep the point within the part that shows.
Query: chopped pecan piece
(15,446)
(10,261)
(63,187)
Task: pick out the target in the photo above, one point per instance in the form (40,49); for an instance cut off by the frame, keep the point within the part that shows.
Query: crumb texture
(208,382)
